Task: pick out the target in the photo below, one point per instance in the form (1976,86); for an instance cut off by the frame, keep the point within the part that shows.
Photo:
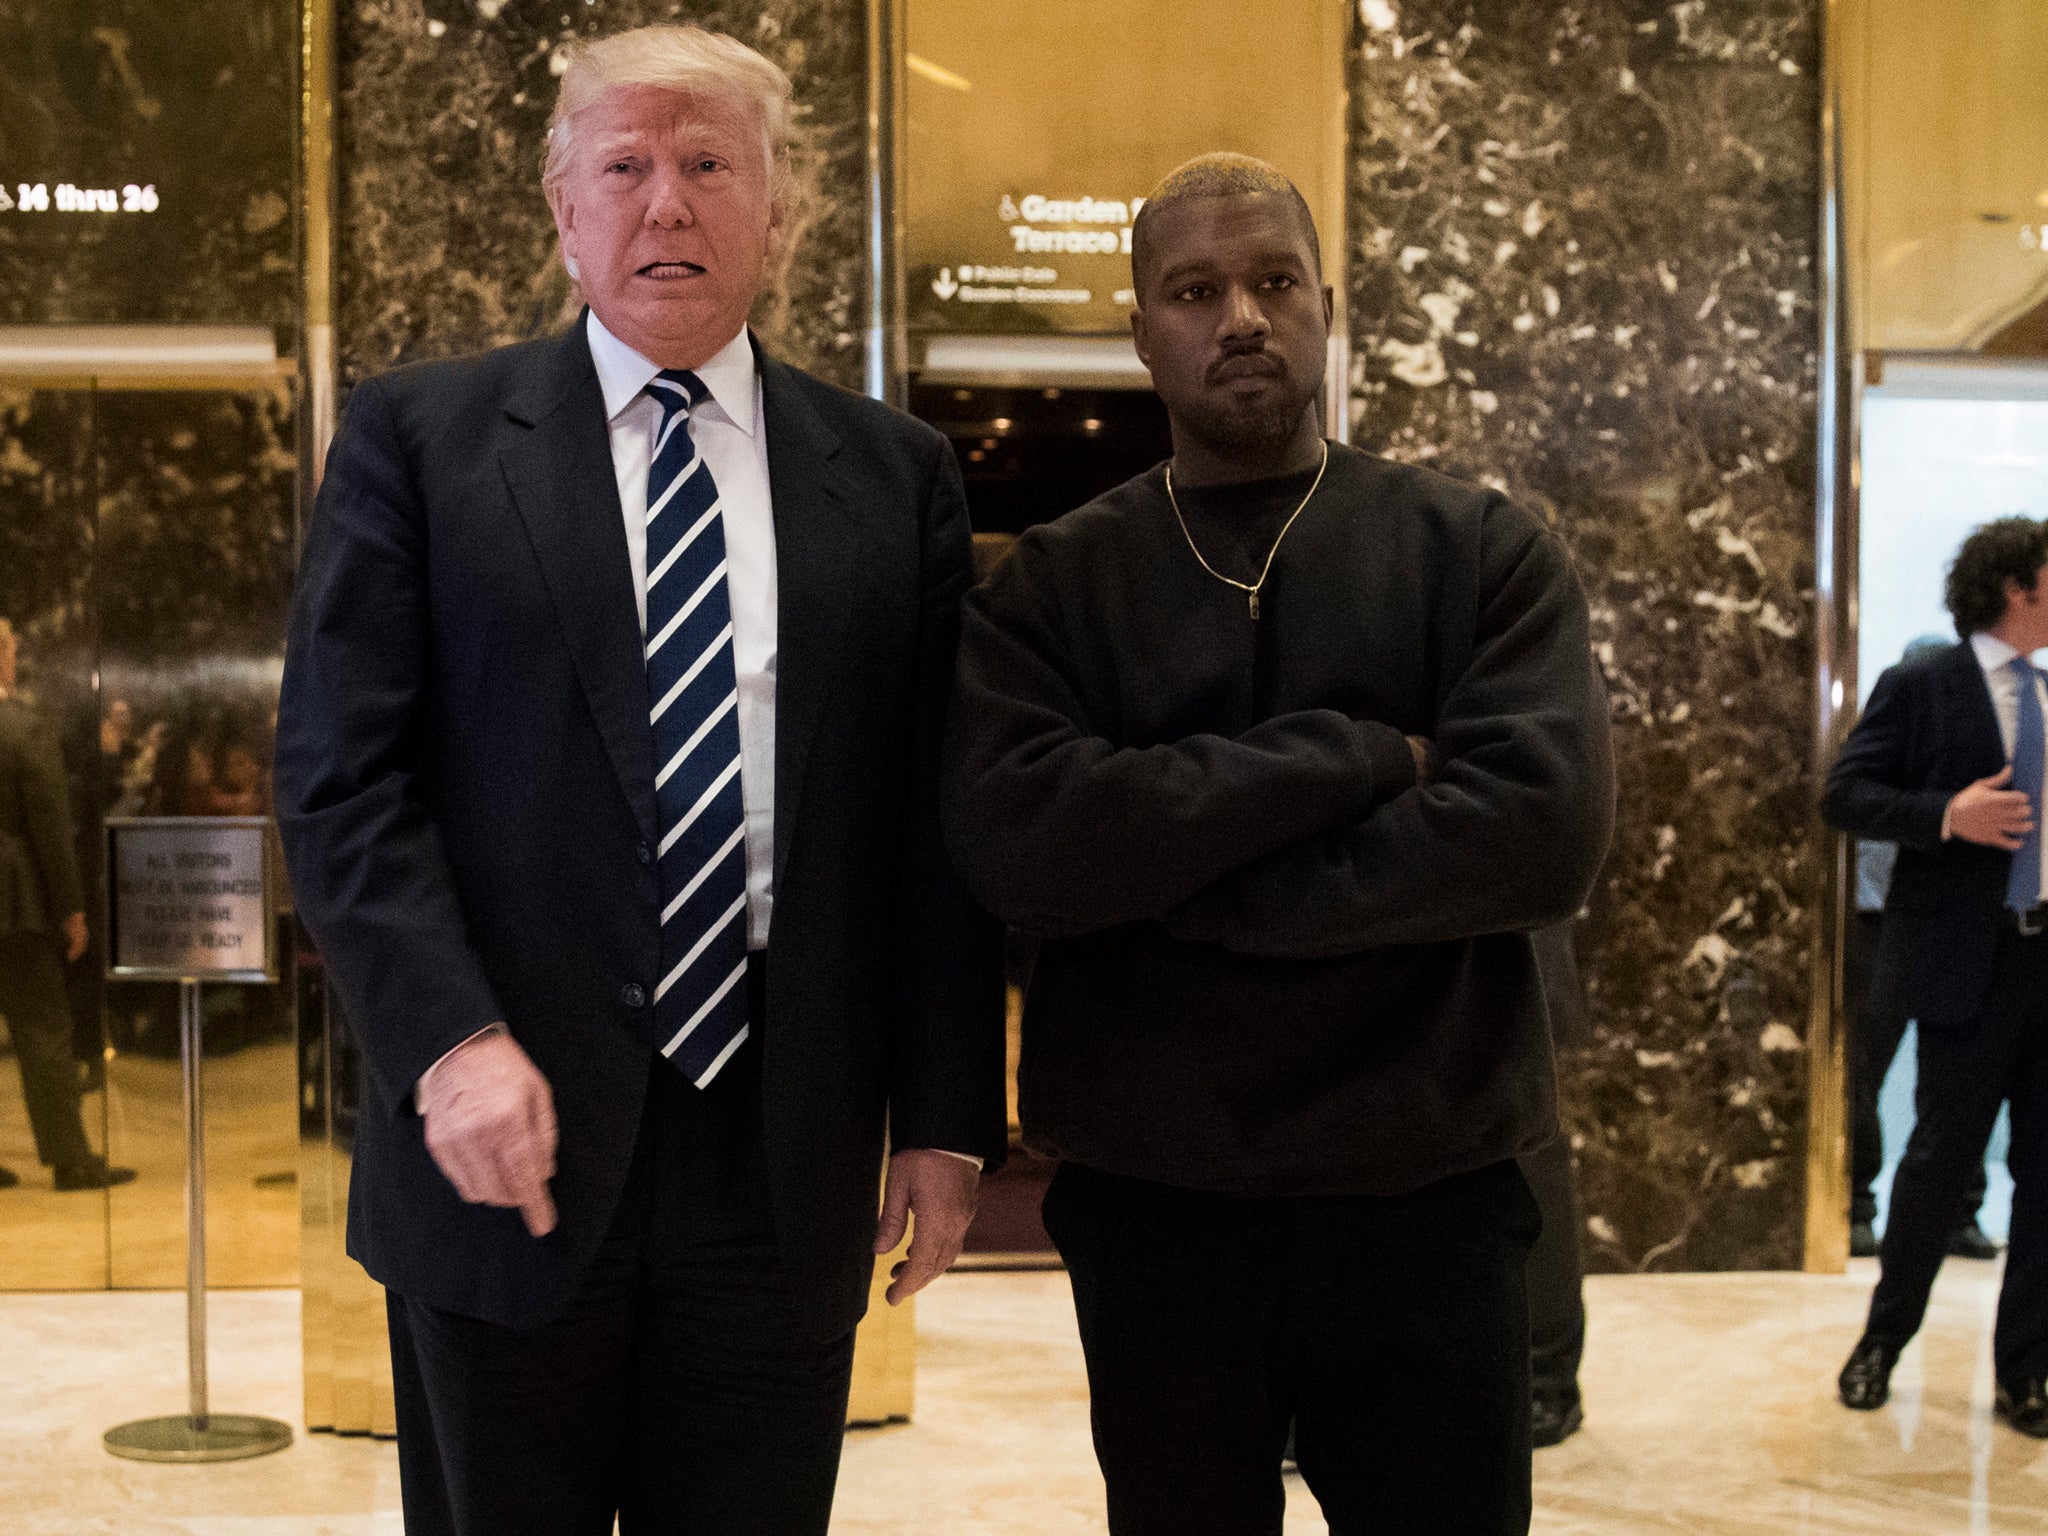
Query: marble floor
(1710,1410)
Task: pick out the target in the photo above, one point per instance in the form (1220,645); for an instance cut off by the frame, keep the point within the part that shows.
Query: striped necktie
(2029,748)
(700,1004)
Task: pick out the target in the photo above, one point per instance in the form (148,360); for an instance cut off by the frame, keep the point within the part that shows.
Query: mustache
(1246,362)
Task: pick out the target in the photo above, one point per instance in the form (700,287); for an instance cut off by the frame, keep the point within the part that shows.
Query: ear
(1139,340)
(1329,307)
(563,207)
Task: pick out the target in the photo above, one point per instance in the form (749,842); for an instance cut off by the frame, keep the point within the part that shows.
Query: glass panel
(192,570)
(52,1111)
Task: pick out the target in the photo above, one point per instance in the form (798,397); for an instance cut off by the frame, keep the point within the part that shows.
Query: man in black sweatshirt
(1284,750)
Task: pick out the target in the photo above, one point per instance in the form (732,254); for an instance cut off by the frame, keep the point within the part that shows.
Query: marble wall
(1583,244)
(444,243)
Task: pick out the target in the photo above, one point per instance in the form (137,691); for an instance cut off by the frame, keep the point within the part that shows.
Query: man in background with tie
(1947,762)
(607,762)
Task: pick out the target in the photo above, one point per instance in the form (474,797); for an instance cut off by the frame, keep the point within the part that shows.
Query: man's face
(2026,613)
(667,214)
(1232,318)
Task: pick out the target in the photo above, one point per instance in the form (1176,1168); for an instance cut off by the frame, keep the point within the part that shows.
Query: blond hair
(685,59)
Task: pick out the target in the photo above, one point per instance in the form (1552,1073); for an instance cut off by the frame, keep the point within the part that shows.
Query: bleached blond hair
(688,60)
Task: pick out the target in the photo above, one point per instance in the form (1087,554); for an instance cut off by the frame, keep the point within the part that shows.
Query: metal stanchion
(198,1434)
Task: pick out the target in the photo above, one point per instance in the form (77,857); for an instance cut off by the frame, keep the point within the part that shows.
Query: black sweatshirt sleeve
(1061,832)
(1509,837)
(1867,791)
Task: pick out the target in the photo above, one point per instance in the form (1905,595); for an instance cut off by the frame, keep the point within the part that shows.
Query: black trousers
(1557,1305)
(38,1014)
(681,1391)
(1874,1036)
(1393,1333)
(1965,1075)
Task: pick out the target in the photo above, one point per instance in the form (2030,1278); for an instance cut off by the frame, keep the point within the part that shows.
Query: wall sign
(1033,134)
(191,898)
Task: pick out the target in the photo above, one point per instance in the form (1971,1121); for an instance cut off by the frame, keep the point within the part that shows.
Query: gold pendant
(1254,596)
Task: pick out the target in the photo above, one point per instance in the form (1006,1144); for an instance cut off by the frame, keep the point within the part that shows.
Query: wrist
(424,1087)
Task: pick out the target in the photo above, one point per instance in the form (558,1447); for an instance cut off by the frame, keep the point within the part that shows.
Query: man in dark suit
(1947,762)
(603,646)
(42,908)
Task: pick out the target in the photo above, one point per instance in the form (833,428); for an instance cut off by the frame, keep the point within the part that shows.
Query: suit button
(646,854)
(631,995)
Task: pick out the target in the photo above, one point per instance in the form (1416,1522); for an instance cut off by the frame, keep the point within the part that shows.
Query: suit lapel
(1978,737)
(559,472)
(815,559)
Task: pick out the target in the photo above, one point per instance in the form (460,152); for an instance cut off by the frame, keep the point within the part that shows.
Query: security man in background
(42,925)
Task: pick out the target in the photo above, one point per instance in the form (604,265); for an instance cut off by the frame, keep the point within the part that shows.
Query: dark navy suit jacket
(1928,731)
(465,785)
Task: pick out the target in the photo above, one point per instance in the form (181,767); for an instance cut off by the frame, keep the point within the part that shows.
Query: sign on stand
(193,899)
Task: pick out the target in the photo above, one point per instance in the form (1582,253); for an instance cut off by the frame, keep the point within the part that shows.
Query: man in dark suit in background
(1557,1266)
(604,645)
(1947,762)
(42,924)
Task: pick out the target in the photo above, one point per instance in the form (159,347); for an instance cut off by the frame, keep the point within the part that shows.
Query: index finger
(538,1212)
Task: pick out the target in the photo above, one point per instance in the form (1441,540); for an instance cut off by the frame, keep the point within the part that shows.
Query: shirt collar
(624,374)
(1992,652)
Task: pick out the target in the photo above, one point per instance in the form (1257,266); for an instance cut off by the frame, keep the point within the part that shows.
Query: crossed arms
(1306,835)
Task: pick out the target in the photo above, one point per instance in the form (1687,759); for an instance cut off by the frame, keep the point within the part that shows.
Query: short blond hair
(685,59)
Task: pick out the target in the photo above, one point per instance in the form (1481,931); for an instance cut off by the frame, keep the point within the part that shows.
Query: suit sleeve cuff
(421,1088)
(965,1157)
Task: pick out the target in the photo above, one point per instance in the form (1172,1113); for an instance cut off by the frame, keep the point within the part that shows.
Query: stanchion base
(218,1437)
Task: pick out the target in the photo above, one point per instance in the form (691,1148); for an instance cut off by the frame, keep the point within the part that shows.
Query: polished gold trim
(1826,1246)
(316,226)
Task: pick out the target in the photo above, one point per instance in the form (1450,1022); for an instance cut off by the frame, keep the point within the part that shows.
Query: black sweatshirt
(1273,965)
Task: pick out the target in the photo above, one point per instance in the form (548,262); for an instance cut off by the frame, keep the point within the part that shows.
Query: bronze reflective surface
(145,541)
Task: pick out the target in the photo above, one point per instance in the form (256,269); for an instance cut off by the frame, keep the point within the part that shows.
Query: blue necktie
(700,1004)
(2030,747)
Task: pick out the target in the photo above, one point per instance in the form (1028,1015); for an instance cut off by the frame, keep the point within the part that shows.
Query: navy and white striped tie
(700,1004)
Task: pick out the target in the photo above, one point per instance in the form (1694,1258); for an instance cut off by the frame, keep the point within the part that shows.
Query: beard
(1250,426)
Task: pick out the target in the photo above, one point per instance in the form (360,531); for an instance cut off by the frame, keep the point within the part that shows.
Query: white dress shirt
(729,430)
(1995,657)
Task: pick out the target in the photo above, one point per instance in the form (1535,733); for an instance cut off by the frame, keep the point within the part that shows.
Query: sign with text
(1033,134)
(191,898)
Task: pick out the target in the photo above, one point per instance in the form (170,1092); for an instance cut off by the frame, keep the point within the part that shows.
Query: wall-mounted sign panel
(146,162)
(191,898)
(1035,131)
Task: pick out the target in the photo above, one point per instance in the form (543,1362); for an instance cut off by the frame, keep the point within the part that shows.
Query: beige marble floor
(1709,1400)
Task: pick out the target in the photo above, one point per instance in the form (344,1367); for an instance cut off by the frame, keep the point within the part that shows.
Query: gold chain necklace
(1249,588)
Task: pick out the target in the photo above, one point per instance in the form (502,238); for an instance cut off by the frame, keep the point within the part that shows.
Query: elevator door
(145,556)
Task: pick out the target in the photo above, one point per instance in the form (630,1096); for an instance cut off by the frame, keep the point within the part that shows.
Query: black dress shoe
(8,1178)
(1971,1242)
(1553,1420)
(1866,1381)
(1862,1240)
(93,1175)
(2024,1405)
